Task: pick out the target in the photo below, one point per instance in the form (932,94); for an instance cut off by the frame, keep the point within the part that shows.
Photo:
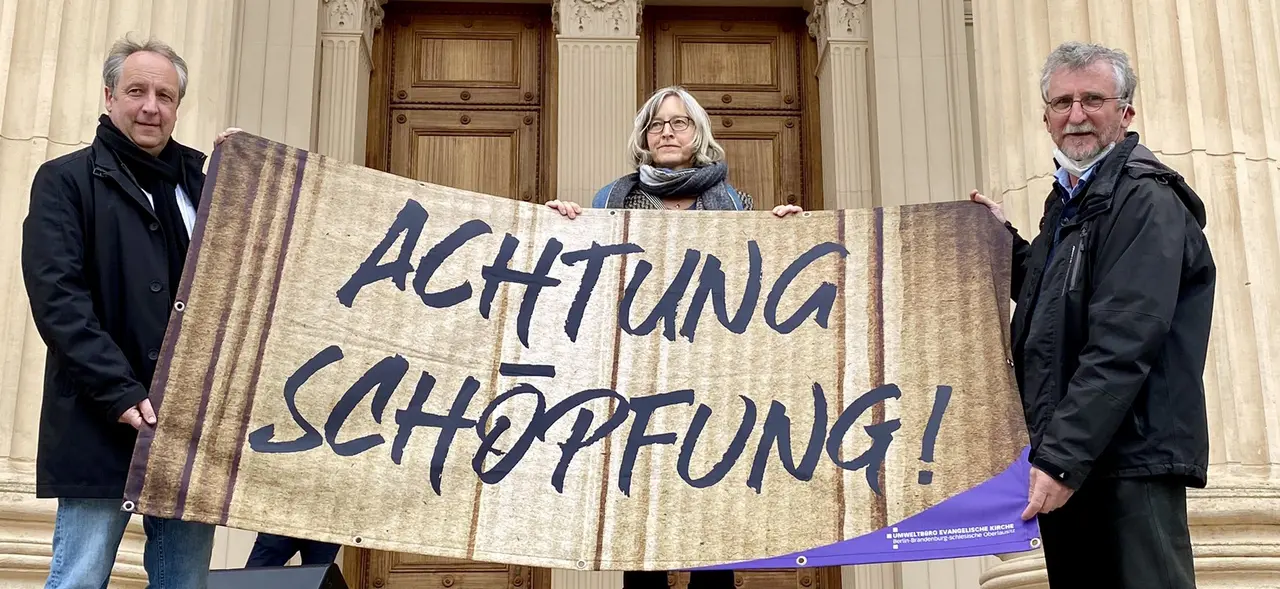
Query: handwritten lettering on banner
(366,359)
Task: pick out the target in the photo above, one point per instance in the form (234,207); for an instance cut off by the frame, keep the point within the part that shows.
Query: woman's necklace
(673,205)
(676,205)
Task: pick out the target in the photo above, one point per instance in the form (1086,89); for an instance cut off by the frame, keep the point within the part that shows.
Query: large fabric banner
(360,358)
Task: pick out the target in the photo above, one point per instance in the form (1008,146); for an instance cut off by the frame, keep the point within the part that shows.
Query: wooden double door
(464,95)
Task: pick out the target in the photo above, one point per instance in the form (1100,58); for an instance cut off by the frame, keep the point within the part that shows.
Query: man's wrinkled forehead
(145,69)
(1097,78)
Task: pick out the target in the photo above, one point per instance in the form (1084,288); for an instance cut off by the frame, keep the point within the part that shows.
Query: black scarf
(160,176)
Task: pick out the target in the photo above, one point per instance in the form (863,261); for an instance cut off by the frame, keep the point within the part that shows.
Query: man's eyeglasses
(678,124)
(1090,103)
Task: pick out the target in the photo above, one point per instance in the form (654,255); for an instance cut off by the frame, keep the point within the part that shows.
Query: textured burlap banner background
(298,400)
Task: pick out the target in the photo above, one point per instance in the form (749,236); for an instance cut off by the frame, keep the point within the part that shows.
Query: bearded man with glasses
(1114,303)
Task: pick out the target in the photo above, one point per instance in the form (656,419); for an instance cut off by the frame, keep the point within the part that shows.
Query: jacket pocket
(1079,255)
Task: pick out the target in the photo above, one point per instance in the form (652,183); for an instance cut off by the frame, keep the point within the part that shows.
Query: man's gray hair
(705,149)
(123,48)
(1074,55)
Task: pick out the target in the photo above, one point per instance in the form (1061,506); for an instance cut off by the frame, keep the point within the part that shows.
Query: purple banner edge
(997,501)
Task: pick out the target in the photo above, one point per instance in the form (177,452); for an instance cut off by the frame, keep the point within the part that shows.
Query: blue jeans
(87,535)
(272,550)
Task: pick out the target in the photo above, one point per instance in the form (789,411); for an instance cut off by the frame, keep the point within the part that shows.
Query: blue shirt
(1068,204)
(1064,180)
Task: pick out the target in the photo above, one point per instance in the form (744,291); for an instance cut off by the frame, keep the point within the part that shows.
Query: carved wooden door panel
(749,69)
(389,570)
(764,155)
(494,152)
(465,91)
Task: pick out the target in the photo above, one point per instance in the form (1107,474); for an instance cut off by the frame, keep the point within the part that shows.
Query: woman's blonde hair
(705,149)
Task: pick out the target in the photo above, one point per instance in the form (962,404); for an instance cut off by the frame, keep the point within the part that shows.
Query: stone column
(925,142)
(346,50)
(275,60)
(596,101)
(51,55)
(842,30)
(1209,83)
(567,579)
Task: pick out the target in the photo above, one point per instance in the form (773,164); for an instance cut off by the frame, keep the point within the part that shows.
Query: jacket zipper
(1071,269)
(1084,246)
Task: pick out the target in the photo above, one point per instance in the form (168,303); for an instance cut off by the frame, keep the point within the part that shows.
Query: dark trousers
(270,550)
(1118,534)
(658,580)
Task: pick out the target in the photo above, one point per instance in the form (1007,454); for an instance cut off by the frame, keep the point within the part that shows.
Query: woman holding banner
(678,166)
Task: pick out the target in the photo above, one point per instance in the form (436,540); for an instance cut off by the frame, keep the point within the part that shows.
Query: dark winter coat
(96,272)
(1110,333)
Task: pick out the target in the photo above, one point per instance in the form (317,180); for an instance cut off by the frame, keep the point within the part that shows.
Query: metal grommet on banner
(801,560)
(808,213)
(613,212)
(581,564)
(179,306)
(359,540)
(1035,542)
(128,506)
(422,184)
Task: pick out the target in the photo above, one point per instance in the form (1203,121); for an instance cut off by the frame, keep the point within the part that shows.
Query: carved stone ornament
(355,15)
(853,16)
(838,19)
(597,18)
(817,22)
(349,16)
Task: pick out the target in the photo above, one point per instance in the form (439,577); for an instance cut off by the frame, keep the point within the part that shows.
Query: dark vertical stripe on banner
(266,329)
(504,301)
(207,387)
(613,386)
(841,344)
(877,349)
(142,449)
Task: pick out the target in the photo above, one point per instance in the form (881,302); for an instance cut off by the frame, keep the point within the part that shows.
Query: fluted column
(1208,105)
(842,31)
(51,54)
(274,65)
(923,121)
(596,98)
(346,50)
(566,579)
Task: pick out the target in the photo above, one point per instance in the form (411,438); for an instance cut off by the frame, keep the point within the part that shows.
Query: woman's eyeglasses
(678,124)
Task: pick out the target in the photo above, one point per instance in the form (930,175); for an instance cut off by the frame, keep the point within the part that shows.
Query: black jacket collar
(105,164)
(1101,185)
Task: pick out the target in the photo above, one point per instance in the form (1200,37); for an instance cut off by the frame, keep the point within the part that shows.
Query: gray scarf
(707,182)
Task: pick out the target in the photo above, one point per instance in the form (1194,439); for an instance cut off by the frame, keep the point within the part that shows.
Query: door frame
(811,138)
(356,561)
(379,124)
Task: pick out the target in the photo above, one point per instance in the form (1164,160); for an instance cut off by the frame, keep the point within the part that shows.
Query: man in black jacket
(1114,302)
(103,247)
